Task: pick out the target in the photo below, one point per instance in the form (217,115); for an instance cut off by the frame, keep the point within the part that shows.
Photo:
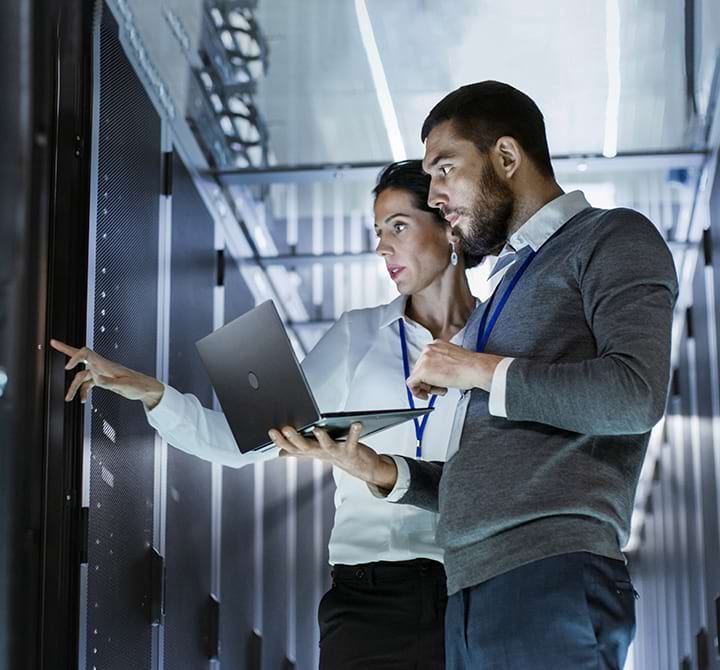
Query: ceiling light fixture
(382,91)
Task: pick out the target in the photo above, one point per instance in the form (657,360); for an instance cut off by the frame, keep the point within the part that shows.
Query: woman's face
(414,244)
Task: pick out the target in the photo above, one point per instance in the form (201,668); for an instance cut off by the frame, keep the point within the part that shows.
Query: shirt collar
(393,311)
(542,225)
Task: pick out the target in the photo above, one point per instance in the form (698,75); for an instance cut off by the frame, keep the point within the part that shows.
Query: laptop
(260,384)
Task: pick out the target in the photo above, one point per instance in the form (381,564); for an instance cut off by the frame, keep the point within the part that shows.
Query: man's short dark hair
(410,177)
(485,111)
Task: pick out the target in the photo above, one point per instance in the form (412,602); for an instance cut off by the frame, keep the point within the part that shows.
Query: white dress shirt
(537,230)
(357,365)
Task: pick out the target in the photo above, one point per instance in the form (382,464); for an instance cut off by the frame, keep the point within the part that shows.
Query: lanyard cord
(420,425)
(483,332)
(482,339)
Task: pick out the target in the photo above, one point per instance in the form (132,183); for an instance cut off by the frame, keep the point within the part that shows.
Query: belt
(369,573)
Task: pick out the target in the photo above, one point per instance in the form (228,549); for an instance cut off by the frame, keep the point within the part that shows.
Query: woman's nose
(383,248)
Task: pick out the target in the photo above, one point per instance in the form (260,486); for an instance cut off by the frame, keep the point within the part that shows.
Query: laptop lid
(258,381)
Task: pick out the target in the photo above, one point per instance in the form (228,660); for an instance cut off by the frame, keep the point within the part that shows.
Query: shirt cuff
(169,411)
(402,483)
(496,404)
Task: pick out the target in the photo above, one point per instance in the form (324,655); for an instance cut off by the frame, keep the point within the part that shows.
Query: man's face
(475,201)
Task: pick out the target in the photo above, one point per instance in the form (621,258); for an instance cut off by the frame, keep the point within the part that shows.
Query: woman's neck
(444,306)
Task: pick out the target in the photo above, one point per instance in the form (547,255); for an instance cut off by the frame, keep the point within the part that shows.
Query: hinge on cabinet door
(703,655)
(707,246)
(167,161)
(254,650)
(689,325)
(220,268)
(213,633)
(157,587)
(83,535)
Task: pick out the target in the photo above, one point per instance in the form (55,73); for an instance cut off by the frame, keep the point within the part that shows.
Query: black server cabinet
(240,642)
(188,537)
(276,589)
(121,504)
(308,590)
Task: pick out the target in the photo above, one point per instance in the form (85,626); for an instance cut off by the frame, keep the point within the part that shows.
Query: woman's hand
(350,455)
(106,374)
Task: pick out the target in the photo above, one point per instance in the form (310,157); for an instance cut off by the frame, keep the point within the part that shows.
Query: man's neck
(531,201)
(444,306)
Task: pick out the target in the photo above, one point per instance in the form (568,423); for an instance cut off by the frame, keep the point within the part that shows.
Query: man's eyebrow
(439,158)
(393,216)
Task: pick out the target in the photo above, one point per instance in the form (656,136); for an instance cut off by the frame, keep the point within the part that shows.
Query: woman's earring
(453,254)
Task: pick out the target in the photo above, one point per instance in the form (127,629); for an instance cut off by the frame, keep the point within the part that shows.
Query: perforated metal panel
(238,526)
(188,517)
(275,584)
(306,568)
(121,469)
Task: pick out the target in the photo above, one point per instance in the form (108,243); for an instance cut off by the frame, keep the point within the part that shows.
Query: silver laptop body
(260,384)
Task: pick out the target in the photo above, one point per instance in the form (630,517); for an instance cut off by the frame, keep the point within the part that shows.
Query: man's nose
(436,196)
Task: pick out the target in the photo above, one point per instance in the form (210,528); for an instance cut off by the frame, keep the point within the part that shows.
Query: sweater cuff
(498,387)
(169,412)
(402,483)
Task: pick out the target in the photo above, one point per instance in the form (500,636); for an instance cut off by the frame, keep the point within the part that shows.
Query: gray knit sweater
(589,324)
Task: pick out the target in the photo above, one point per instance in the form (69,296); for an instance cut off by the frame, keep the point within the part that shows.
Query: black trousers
(384,616)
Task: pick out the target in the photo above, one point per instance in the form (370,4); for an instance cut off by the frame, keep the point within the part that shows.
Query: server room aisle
(168,166)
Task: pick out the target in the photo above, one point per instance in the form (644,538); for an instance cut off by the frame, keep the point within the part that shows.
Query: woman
(386,606)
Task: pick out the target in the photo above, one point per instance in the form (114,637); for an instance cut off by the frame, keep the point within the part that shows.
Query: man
(568,366)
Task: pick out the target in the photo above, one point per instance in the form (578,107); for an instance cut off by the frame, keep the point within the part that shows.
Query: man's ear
(507,155)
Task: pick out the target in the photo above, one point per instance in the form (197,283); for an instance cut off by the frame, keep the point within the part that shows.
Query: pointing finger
(63,348)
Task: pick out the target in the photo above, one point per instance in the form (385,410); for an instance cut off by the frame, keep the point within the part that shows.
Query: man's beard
(488,217)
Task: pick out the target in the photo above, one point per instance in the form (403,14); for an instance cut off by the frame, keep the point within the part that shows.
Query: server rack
(188,565)
(676,563)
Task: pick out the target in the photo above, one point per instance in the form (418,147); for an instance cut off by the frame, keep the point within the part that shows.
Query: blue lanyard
(484,333)
(419,424)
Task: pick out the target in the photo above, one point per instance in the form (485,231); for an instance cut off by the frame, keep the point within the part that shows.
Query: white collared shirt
(357,365)
(537,230)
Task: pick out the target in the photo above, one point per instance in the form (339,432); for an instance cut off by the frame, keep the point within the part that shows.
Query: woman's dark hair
(409,176)
(488,110)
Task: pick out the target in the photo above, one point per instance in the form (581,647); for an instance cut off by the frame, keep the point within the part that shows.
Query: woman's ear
(452,237)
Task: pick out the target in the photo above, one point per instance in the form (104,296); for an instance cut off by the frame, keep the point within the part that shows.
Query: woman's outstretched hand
(107,374)
(350,455)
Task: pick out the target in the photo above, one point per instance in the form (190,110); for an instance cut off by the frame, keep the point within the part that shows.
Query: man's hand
(109,375)
(443,365)
(350,455)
